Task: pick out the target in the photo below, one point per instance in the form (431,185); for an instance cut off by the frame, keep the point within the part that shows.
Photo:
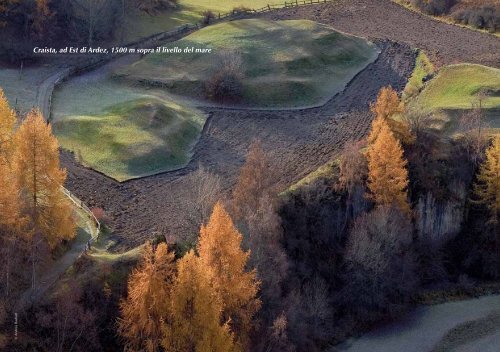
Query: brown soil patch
(383,19)
(298,142)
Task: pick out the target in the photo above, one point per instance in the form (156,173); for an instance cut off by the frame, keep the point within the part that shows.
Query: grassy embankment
(454,90)
(286,64)
(133,138)
(122,131)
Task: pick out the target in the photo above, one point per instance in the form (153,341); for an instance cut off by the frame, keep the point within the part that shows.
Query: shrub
(152,6)
(225,84)
(241,10)
(208,17)
(484,17)
(434,7)
(101,215)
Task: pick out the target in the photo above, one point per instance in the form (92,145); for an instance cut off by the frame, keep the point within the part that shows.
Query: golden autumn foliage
(7,125)
(385,108)
(387,103)
(220,252)
(487,188)
(195,323)
(148,302)
(9,194)
(253,182)
(200,303)
(40,179)
(387,173)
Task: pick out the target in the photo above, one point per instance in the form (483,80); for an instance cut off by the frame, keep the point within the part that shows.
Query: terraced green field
(455,89)
(286,64)
(122,132)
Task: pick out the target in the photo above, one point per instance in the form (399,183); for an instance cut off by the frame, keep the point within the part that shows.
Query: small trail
(45,90)
(57,269)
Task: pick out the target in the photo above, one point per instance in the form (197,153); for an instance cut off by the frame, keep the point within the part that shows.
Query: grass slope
(423,68)
(20,88)
(132,139)
(286,63)
(139,24)
(453,91)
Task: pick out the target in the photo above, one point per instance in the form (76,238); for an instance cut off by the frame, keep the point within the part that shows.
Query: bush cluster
(484,17)
(226,82)
(435,7)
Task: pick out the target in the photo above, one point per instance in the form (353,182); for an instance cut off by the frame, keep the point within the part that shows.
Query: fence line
(90,215)
(235,13)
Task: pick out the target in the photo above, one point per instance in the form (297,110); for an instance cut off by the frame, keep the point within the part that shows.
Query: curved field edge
(286,64)
(454,90)
(428,326)
(132,139)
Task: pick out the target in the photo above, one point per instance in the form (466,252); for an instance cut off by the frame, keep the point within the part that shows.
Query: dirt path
(58,268)
(45,90)
(443,327)
(383,19)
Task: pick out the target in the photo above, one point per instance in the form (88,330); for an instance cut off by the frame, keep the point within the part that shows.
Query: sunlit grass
(132,139)
(454,90)
(285,63)
(423,68)
(139,24)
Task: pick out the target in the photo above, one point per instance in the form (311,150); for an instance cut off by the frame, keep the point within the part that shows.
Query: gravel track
(423,329)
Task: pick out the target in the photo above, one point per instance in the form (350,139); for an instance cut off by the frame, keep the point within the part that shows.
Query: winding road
(465,326)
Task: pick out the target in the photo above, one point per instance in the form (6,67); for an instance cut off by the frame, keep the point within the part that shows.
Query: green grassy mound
(285,63)
(132,139)
(454,90)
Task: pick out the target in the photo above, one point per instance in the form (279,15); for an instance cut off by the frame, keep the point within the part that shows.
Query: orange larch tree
(386,107)
(487,187)
(9,194)
(147,304)
(195,323)
(41,180)
(10,216)
(254,182)
(220,252)
(387,173)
